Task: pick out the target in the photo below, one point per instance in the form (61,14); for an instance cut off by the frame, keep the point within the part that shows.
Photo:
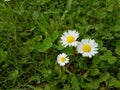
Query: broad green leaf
(117,50)
(96,60)
(111,60)
(31,43)
(93,72)
(112,81)
(68,50)
(54,36)
(47,87)
(103,49)
(100,43)
(69,4)
(117,84)
(102,58)
(46,73)
(110,8)
(101,14)
(104,77)
(108,53)
(94,84)
(118,75)
(117,43)
(42,47)
(57,69)
(63,76)
(42,28)
(74,82)
(39,88)
(116,28)
(59,46)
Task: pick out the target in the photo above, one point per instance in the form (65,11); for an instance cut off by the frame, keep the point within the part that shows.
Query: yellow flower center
(70,39)
(62,59)
(86,48)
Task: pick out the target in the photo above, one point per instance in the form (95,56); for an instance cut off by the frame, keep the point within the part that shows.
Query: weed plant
(30,32)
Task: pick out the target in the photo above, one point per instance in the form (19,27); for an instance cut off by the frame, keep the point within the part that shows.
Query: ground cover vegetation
(30,42)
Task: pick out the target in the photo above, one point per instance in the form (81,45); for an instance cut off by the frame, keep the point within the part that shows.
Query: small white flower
(69,38)
(62,59)
(87,47)
(6,0)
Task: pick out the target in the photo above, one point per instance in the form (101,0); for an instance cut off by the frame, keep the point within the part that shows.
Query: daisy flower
(69,38)
(87,47)
(62,59)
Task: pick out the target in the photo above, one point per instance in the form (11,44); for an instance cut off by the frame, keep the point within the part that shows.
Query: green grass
(30,32)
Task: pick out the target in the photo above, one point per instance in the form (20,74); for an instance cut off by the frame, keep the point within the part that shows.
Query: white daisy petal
(62,64)
(62,59)
(69,38)
(87,47)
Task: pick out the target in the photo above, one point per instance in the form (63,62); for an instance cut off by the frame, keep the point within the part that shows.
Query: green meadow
(30,42)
